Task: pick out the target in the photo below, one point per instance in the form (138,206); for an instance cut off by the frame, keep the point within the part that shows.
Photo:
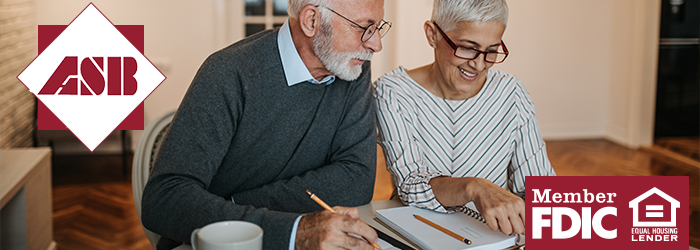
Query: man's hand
(501,209)
(327,230)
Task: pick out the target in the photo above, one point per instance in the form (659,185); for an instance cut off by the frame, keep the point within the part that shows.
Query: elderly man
(268,117)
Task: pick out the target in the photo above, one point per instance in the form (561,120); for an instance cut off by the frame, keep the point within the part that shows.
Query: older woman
(456,131)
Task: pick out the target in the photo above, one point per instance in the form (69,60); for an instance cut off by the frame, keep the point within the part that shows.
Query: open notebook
(467,223)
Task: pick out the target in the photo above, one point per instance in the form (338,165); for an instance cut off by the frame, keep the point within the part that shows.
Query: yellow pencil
(444,230)
(329,208)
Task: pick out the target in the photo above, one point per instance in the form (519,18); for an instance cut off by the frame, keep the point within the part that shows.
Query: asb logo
(618,212)
(91,77)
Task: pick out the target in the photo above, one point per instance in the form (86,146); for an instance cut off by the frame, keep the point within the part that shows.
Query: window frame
(269,19)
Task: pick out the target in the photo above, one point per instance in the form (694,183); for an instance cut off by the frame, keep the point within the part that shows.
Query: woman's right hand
(501,209)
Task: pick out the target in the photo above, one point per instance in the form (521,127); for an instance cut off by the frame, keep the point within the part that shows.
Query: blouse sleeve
(529,156)
(405,159)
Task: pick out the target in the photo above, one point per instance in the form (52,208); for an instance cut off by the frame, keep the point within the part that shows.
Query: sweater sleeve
(348,179)
(176,199)
(404,157)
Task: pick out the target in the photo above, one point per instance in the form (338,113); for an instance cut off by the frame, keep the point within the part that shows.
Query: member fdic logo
(614,212)
(91,77)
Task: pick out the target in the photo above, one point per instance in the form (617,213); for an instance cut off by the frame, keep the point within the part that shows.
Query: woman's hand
(501,209)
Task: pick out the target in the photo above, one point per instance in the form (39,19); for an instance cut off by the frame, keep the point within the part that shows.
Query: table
(367,214)
(25,199)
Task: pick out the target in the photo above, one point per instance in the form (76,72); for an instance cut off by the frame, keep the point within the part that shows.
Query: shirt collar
(294,68)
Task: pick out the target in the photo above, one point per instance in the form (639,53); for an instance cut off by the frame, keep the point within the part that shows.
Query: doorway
(677,121)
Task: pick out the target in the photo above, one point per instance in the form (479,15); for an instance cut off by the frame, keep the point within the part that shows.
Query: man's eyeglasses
(382,27)
(471,54)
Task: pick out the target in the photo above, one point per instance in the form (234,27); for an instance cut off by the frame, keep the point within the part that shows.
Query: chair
(144,156)
(384,188)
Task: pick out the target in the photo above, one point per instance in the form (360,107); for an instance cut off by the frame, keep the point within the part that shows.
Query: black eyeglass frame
(379,25)
(479,52)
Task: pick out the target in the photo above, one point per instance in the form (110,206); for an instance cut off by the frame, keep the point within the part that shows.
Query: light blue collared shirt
(294,68)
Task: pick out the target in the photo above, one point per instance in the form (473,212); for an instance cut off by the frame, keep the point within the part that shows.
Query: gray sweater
(241,132)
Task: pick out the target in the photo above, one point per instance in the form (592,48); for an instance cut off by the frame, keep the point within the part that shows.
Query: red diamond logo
(91,77)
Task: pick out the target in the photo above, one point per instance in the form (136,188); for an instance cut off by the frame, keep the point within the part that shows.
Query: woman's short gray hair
(447,13)
(294,7)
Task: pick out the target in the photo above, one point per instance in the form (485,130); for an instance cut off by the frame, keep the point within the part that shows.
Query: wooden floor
(94,209)
(93,206)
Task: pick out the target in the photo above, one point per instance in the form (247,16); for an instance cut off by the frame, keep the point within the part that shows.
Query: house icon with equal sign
(654,210)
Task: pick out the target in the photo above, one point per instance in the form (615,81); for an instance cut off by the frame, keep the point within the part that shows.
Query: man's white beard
(337,63)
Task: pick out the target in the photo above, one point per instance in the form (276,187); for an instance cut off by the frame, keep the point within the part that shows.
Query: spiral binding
(471,213)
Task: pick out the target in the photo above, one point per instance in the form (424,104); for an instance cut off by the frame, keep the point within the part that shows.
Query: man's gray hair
(294,6)
(447,13)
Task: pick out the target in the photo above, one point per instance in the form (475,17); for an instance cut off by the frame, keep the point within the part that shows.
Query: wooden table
(25,199)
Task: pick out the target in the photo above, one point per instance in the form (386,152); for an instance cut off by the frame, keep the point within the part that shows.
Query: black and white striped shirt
(493,135)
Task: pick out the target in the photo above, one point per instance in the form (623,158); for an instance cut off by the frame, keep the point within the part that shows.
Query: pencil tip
(309,193)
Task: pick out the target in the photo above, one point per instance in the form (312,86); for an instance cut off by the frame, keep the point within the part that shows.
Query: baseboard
(565,131)
(52,246)
(620,141)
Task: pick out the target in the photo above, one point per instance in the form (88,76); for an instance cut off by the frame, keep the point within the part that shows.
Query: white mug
(229,235)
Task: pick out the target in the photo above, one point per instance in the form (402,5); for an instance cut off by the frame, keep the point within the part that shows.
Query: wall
(17,49)
(633,86)
(563,55)
(588,65)
(405,44)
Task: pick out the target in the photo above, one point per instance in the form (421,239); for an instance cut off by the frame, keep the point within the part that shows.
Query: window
(264,14)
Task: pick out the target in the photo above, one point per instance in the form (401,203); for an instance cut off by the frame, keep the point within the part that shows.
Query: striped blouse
(493,135)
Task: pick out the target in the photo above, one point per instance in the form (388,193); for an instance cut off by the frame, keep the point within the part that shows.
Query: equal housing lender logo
(612,212)
(91,77)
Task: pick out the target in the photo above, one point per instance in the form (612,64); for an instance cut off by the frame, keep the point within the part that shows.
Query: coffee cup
(229,235)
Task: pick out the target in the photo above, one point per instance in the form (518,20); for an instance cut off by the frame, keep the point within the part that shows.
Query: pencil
(329,208)
(319,201)
(444,230)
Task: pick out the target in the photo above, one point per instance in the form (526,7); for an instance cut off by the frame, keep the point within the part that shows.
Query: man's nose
(374,43)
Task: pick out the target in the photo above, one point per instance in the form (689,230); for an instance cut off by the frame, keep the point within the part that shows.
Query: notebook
(467,223)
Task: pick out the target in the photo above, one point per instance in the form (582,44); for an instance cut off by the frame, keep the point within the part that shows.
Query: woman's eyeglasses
(471,54)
